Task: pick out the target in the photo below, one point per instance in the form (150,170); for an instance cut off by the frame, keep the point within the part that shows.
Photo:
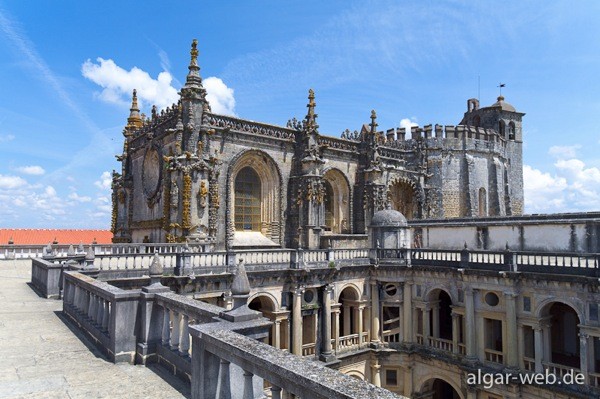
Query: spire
(373,122)
(193,77)
(311,117)
(134,121)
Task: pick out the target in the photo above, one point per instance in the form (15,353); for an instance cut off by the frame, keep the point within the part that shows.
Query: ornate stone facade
(181,165)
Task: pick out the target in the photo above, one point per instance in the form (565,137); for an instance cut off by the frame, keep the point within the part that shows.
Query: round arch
(352,290)
(271,184)
(432,293)
(544,306)
(356,374)
(267,300)
(428,385)
(339,205)
(404,196)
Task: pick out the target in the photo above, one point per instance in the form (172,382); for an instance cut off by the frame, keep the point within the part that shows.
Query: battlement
(441,132)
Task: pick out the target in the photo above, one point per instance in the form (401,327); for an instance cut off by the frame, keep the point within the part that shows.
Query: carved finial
(134,121)
(156,267)
(311,116)
(194,53)
(10,241)
(154,113)
(193,77)
(466,246)
(240,284)
(373,122)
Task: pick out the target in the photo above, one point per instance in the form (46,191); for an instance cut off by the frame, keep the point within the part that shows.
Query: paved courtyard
(41,357)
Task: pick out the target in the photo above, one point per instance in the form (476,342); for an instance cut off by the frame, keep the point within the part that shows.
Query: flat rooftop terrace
(44,356)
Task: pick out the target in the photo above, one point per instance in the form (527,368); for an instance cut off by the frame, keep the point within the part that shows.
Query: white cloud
(11,182)
(5,138)
(219,96)
(31,170)
(407,123)
(118,84)
(77,198)
(564,152)
(570,187)
(105,181)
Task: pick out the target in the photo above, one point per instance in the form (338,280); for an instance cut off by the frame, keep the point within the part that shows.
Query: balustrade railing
(559,370)
(462,349)
(493,356)
(309,349)
(594,379)
(441,343)
(529,364)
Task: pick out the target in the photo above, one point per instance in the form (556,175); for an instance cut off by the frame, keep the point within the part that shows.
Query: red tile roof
(62,236)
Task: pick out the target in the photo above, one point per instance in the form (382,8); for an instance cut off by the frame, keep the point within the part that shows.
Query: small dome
(388,217)
(504,105)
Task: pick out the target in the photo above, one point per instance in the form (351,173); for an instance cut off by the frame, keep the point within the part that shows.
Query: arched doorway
(402,198)
(438,330)
(336,202)
(351,319)
(278,334)
(563,330)
(436,388)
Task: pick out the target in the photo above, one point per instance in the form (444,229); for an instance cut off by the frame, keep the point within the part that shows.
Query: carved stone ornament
(151,173)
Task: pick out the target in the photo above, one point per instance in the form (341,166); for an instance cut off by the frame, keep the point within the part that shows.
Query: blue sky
(67,69)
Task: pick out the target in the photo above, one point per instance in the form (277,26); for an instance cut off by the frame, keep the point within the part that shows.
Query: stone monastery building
(255,260)
(188,173)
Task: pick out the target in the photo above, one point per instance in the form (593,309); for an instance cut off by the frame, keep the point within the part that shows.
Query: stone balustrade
(105,313)
(216,351)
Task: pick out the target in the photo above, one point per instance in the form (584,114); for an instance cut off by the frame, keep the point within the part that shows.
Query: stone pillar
(470,330)
(408,381)
(376,372)
(297,321)
(336,328)
(435,320)
(275,392)
(248,385)
(471,393)
(184,337)
(407,313)
(224,385)
(426,324)
(511,347)
(277,334)
(360,324)
(375,311)
(166,328)
(583,355)
(327,353)
(455,331)
(347,318)
(175,332)
(539,348)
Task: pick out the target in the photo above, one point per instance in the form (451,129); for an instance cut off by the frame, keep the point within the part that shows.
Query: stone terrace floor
(41,356)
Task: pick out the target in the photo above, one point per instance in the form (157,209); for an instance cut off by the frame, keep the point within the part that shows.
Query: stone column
(275,392)
(408,381)
(407,313)
(455,331)
(539,348)
(336,328)
(248,385)
(277,334)
(175,333)
(327,354)
(297,321)
(471,393)
(375,310)
(166,327)
(470,332)
(224,385)
(184,336)
(511,347)
(376,373)
(426,325)
(583,355)
(360,324)
(347,318)
(435,320)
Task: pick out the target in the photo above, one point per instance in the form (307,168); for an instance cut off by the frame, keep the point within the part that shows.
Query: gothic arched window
(247,200)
